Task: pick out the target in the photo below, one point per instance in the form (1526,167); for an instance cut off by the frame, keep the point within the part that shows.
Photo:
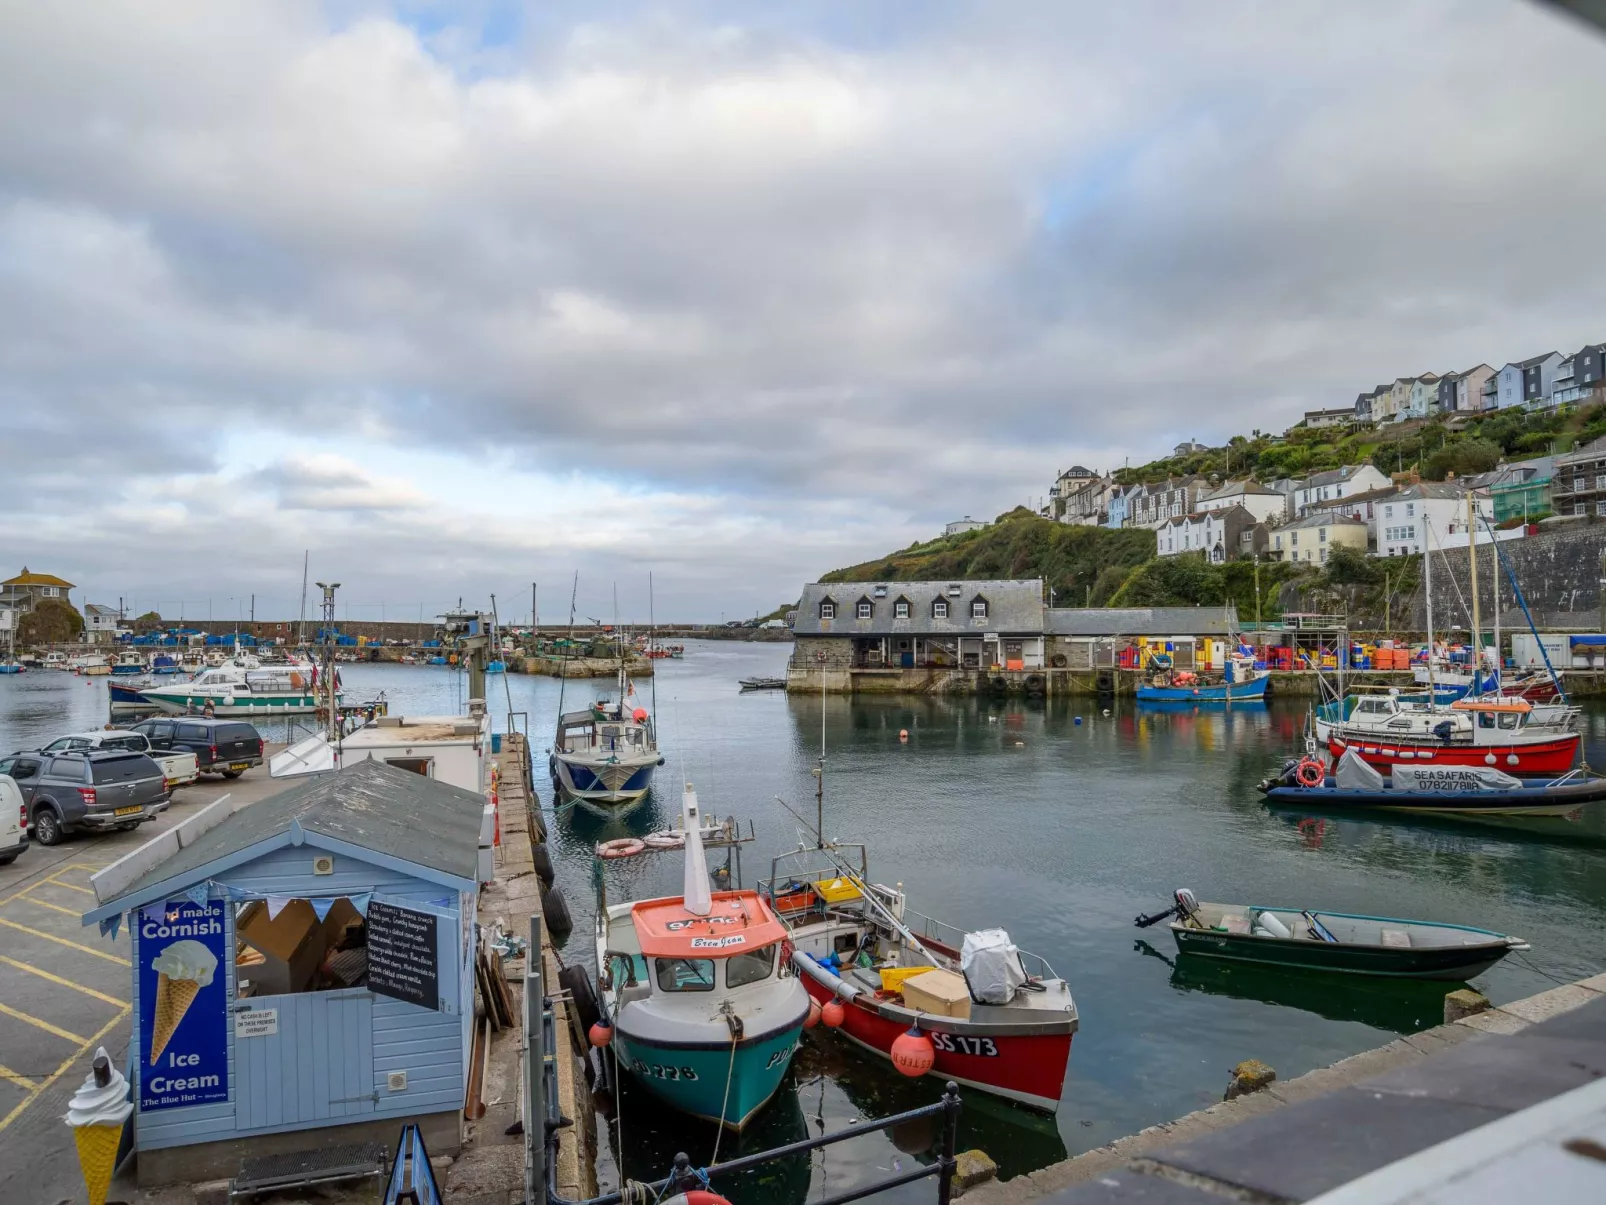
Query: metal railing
(543,1122)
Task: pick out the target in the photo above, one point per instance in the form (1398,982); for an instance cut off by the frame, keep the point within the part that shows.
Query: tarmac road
(65,989)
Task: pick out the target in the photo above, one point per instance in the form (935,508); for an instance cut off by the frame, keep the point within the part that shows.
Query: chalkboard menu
(403,960)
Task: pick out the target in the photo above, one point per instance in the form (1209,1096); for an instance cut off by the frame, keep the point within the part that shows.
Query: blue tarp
(1595,641)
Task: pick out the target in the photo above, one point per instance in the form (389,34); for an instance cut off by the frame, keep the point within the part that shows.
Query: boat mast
(1427,566)
(1494,582)
(1477,625)
(652,643)
(563,670)
(301,624)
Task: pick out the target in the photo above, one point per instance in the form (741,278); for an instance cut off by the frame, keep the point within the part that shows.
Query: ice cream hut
(302,970)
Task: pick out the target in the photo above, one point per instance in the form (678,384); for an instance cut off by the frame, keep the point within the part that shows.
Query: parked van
(13,821)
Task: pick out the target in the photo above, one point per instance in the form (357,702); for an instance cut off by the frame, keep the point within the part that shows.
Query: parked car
(13,821)
(96,790)
(179,768)
(221,746)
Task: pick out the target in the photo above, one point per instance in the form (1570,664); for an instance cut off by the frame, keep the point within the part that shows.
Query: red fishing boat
(932,999)
(1491,732)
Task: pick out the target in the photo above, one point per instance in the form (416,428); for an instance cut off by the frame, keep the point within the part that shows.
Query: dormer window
(827,609)
(978,608)
(900,609)
(865,608)
(939,609)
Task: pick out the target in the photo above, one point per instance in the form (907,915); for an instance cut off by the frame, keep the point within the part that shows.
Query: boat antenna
(652,638)
(301,624)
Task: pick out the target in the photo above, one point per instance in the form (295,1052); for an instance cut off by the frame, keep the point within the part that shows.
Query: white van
(13,821)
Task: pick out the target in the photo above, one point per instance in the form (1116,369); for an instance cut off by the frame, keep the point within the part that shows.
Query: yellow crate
(892,977)
(837,891)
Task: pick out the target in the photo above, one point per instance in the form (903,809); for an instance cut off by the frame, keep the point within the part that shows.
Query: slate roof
(1532,360)
(97,609)
(1430,489)
(371,805)
(1330,476)
(1012,606)
(1141,621)
(1377,495)
(1237,487)
(1324,519)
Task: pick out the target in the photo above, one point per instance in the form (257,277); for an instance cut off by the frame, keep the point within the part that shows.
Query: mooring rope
(730,1071)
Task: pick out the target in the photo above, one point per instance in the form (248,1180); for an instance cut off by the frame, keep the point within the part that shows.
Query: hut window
(749,967)
(296,952)
(685,974)
(424,766)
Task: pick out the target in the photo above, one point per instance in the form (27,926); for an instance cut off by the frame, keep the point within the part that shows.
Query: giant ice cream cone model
(97,1114)
(182,970)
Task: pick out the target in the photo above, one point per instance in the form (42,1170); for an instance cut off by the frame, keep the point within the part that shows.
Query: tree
(52,621)
(149,622)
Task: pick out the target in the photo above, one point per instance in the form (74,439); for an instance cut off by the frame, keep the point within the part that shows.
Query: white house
(965,524)
(100,624)
(1428,515)
(1336,484)
(1264,503)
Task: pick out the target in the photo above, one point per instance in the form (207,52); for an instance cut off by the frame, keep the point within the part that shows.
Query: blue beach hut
(302,970)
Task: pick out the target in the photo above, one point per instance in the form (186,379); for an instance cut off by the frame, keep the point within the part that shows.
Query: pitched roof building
(25,591)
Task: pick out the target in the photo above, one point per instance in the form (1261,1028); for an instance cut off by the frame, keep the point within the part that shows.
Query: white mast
(697,898)
(1427,566)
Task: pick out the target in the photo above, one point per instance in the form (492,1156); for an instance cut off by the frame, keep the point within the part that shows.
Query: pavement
(64,990)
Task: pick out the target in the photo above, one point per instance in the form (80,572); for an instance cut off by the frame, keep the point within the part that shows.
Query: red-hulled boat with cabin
(1491,732)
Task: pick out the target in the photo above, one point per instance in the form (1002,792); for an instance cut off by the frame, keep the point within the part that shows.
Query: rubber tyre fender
(1057,661)
(541,856)
(1034,684)
(576,981)
(1105,682)
(555,912)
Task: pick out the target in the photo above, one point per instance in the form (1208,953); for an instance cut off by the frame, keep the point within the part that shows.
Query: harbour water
(1059,821)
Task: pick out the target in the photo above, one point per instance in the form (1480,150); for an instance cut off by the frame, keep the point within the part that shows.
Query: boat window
(1485,719)
(685,974)
(750,967)
(1508,720)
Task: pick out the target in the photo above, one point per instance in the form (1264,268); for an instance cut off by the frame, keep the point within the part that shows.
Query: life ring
(665,840)
(1310,772)
(621,847)
(696,1196)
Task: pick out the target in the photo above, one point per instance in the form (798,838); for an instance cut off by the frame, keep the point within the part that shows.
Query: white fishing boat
(244,687)
(607,753)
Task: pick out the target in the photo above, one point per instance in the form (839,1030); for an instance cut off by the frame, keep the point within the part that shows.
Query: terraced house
(1168,499)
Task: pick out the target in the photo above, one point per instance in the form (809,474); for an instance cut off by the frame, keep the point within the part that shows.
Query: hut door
(313,1063)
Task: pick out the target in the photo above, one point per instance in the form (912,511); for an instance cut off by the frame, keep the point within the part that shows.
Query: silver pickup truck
(178,769)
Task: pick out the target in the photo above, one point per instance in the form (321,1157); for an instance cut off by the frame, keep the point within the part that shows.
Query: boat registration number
(133,811)
(954,1043)
(239,765)
(662,1071)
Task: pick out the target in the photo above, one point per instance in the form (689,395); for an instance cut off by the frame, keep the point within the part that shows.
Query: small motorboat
(607,753)
(1332,941)
(761,683)
(1436,789)
(1240,683)
(129,662)
(706,1011)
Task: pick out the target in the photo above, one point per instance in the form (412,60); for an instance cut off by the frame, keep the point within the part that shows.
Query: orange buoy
(903,735)
(813,1018)
(696,1196)
(601,1034)
(912,1053)
(639,715)
(833,1014)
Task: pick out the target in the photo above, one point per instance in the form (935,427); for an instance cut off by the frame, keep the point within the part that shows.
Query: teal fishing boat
(706,1011)
(1343,942)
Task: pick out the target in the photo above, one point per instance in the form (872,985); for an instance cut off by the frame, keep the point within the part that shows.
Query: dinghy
(1342,942)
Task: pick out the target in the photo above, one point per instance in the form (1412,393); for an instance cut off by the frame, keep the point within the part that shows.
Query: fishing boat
(607,753)
(1479,732)
(1430,789)
(1341,942)
(128,662)
(1183,686)
(129,693)
(706,1012)
(997,1018)
(761,683)
(245,688)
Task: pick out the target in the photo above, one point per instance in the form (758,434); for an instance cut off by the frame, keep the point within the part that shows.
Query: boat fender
(621,847)
(555,912)
(696,1197)
(1272,926)
(1310,772)
(541,859)
(576,984)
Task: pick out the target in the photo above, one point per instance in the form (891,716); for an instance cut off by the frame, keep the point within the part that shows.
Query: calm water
(1061,840)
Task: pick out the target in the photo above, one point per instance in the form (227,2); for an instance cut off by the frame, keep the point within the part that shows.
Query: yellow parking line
(22,1081)
(35,1089)
(69,886)
(62,941)
(44,1025)
(88,991)
(28,899)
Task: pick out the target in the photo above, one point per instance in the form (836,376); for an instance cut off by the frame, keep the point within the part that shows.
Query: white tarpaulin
(992,966)
(1452,778)
(1353,774)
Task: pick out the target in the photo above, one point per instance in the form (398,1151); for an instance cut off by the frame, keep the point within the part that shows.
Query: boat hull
(175,700)
(1453,963)
(1026,1068)
(621,782)
(1238,692)
(1555,756)
(693,1077)
(1542,800)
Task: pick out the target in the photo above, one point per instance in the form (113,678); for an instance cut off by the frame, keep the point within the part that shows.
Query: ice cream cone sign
(182,970)
(98,1111)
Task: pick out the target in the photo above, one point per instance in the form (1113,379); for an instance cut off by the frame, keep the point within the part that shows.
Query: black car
(65,792)
(226,747)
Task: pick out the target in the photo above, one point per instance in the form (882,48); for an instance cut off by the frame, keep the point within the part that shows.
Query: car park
(86,791)
(179,767)
(221,746)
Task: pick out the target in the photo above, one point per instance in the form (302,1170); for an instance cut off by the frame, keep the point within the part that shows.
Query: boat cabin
(657,948)
(1494,721)
(606,729)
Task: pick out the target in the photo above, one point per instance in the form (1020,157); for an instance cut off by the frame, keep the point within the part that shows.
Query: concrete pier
(1293,1140)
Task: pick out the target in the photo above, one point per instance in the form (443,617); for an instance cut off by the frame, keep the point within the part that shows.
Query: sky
(453,297)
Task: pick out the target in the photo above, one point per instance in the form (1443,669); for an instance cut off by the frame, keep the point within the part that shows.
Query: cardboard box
(938,992)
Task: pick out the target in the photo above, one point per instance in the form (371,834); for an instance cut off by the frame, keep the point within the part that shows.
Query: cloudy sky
(464,295)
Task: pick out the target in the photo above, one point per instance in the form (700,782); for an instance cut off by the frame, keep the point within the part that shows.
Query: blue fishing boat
(164,665)
(129,693)
(1180,686)
(705,1010)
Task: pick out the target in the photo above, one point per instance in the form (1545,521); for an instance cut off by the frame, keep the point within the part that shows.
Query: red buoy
(813,1018)
(833,1014)
(639,715)
(903,735)
(696,1196)
(912,1053)
(601,1034)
